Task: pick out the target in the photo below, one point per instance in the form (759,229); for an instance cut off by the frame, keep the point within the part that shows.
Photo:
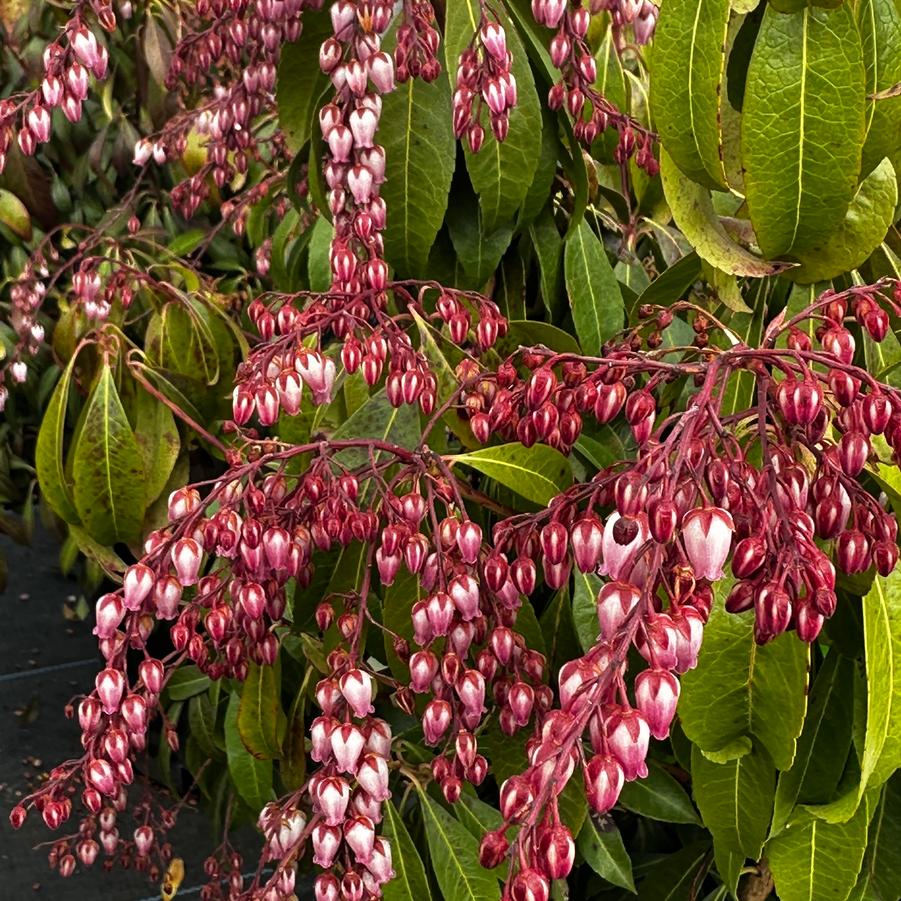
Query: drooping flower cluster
(641,15)
(69,63)
(576,91)
(484,81)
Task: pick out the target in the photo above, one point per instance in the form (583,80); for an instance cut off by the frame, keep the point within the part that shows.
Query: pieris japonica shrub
(550,547)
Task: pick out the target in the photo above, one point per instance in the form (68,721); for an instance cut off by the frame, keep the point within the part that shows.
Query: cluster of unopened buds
(68,64)
(641,15)
(593,113)
(360,72)
(273,378)
(484,81)
(231,57)
(415,55)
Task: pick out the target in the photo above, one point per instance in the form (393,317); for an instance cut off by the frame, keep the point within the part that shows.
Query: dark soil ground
(45,660)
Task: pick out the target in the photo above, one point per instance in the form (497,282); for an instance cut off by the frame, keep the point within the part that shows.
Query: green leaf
(556,623)
(802,126)
(676,877)
(673,283)
(49,459)
(549,251)
(501,173)
(693,213)
(107,469)
(538,473)
(479,249)
(812,859)
(477,816)
(735,799)
(688,69)
(251,777)
(594,295)
(863,229)
(400,597)
(319,270)
(419,163)
(740,690)
(293,764)
(455,856)
(14,215)
(409,882)
(880,875)
(202,723)
(529,332)
(186,682)
(301,81)
(585,608)
(261,720)
(880,31)
(602,847)
(158,442)
(824,743)
(378,419)
(659,796)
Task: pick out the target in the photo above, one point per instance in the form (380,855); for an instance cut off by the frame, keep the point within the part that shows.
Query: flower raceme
(661,529)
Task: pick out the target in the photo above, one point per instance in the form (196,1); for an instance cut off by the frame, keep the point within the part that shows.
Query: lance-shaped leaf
(538,473)
(812,859)
(419,164)
(688,68)
(880,874)
(880,755)
(602,847)
(301,82)
(676,877)
(594,295)
(158,442)
(880,31)
(585,608)
(409,882)
(735,799)
(501,173)
(455,856)
(824,743)
(659,796)
(802,126)
(106,467)
(261,720)
(378,419)
(252,778)
(14,215)
(741,691)
(49,459)
(693,212)
(863,229)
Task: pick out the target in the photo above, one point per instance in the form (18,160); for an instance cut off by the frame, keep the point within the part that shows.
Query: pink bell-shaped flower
(707,537)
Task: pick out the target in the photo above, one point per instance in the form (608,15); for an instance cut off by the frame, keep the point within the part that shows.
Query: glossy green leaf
(602,847)
(802,126)
(880,874)
(49,460)
(455,856)
(824,742)
(741,691)
(673,283)
(585,608)
(319,271)
(158,442)
(186,682)
(735,799)
(419,163)
(399,599)
(693,213)
(549,250)
(409,882)
(14,215)
(863,229)
(293,764)
(659,796)
(378,419)
(556,623)
(251,777)
(479,249)
(538,473)
(261,720)
(301,81)
(594,295)
(880,31)
(676,877)
(501,173)
(202,722)
(688,68)
(477,816)
(812,859)
(107,468)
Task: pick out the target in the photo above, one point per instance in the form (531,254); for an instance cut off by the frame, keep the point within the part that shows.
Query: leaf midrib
(804,35)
